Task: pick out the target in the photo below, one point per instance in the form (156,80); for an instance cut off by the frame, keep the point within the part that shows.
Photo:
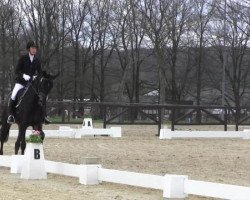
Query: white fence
(68,132)
(86,129)
(168,134)
(173,186)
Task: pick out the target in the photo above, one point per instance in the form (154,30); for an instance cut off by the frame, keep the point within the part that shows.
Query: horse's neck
(30,95)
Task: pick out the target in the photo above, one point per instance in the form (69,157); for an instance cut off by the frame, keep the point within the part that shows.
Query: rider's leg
(12,103)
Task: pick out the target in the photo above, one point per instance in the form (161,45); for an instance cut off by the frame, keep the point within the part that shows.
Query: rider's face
(33,50)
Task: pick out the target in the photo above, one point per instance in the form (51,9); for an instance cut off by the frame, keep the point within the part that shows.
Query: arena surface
(139,150)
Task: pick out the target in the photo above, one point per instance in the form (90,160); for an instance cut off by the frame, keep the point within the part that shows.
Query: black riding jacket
(25,66)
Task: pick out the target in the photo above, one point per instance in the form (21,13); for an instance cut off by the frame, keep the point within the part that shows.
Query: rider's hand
(26,77)
(34,77)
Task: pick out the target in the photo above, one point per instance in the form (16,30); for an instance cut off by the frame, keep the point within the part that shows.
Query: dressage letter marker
(34,164)
(36,154)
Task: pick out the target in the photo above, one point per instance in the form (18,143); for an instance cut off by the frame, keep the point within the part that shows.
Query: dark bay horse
(29,112)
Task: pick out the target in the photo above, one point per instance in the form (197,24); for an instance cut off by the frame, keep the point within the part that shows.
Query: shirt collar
(31,57)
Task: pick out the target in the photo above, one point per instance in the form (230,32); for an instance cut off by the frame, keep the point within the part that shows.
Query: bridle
(41,95)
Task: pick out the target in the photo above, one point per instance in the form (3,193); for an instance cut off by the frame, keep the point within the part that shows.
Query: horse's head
(45,85)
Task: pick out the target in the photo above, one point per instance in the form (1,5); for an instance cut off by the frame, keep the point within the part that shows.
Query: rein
(39,94)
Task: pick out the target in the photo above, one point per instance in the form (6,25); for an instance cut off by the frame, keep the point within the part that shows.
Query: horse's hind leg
(1,149)
(20,142)
(2,142)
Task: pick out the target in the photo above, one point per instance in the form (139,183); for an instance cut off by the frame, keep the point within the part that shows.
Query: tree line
(196,49)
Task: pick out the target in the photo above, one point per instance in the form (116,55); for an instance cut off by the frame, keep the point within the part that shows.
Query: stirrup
(11,119)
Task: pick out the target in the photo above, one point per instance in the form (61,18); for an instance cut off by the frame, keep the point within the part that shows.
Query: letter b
(37,154)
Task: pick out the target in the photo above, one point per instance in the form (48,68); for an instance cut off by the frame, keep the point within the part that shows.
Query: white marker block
(89,171)
(89,174)
(165,134)
(174,187)
(87,123)
(246,134)
(115,132)
(34,164)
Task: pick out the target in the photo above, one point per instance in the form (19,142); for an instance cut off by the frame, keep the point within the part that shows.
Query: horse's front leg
(21,139)
(39,127)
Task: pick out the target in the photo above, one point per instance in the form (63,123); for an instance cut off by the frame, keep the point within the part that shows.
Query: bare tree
(155,14)
(77,13)
(166,26)
(60,36)
(203,12)
(237,38)
(101,14)
(128,36)
(9,29)
(39,23)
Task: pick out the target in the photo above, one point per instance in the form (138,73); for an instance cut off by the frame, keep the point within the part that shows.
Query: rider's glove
(34,77)
(26,77)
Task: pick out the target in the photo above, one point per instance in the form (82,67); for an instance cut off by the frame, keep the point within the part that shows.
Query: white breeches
(17,87)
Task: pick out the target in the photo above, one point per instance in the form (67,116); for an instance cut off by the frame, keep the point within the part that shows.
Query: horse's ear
(44,74)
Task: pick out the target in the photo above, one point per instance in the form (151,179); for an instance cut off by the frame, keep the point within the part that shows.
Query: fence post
(237,117)
(104,116)
(173,118)
(159,120)
(225,119)
(89,171)
(174,187)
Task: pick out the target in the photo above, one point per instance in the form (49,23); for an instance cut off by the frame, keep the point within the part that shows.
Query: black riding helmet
(31,44)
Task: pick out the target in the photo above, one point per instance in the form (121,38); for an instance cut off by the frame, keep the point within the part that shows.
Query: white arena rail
(173,186)
(67,132)
(168,134)
(217,190)
(86,129)
(131,178)
(60,168)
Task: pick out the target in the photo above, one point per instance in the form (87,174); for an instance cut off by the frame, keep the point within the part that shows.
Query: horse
(30,110)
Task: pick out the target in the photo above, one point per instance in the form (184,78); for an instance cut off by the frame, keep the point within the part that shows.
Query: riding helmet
(31,44)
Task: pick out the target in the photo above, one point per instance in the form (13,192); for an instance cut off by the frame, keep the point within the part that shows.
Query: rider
(28,66)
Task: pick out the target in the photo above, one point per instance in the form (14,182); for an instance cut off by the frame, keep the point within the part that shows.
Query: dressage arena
(138,150)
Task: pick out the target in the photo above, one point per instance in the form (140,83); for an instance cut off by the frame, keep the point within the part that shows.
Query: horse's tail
(5,128)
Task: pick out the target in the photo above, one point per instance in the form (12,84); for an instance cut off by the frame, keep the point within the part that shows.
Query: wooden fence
(147,114)
(150,114)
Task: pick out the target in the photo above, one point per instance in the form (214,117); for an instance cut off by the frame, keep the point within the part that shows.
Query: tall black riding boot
(11,118)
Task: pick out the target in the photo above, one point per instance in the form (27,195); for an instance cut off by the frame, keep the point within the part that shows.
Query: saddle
(20,94)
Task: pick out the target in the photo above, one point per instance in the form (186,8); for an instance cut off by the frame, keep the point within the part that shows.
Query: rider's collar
(31,57)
